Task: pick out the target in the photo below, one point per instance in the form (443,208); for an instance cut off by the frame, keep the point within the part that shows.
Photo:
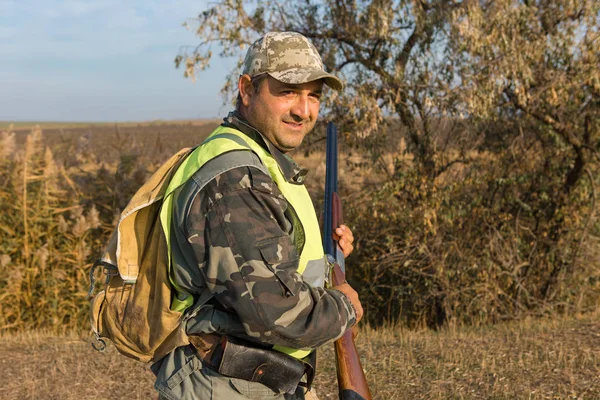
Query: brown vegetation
(481,243)
(60,192)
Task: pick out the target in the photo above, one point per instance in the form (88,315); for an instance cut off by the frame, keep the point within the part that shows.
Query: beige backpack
(134,309)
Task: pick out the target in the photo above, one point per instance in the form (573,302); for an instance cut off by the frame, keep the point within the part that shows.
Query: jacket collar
(292,172)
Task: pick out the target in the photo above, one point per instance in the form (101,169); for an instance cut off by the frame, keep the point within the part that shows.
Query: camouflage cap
(288,57)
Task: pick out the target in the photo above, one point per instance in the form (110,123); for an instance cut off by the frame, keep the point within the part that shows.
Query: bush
(490,239)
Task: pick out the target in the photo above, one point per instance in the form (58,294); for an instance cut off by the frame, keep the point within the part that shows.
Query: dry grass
(42,366)
(533,359)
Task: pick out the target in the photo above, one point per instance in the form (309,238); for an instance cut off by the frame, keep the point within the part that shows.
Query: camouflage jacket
(215,236)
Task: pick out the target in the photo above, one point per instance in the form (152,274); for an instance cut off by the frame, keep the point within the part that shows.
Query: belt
(206,345)
(236,358)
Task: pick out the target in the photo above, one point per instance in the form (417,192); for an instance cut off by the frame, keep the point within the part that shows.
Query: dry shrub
(47,239)
(60,194)
(494,238)
(53,223)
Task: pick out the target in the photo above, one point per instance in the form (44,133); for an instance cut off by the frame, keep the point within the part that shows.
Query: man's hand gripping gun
(351,378)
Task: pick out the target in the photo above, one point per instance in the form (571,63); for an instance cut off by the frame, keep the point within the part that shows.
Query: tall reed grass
(60,196)
(46,236)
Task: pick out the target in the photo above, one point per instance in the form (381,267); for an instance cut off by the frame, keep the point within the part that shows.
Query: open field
(533,359)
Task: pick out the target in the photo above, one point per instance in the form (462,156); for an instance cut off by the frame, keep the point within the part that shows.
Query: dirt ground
(533,359)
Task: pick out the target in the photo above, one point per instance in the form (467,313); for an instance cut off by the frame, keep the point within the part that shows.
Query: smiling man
(284,113)
(245,242)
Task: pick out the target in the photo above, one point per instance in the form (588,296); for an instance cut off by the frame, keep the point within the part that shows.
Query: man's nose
(300,108)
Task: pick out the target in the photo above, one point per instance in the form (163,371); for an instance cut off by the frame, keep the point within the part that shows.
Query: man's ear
(246,89)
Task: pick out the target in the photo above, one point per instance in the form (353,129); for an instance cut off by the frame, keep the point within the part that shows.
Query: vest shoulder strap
(226,162)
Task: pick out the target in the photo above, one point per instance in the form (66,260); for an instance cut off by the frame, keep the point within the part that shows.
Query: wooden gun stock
(352,382)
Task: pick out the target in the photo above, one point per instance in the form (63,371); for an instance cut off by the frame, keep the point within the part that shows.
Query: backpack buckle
(109,270)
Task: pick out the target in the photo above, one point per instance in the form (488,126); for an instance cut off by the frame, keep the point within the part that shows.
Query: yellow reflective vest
(305,222)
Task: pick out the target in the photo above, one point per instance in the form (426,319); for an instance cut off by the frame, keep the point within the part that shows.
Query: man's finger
(344,231)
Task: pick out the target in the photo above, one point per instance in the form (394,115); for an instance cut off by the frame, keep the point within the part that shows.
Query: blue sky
(102,60)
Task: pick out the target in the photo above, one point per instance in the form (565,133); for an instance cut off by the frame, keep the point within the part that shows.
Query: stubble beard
(282,138)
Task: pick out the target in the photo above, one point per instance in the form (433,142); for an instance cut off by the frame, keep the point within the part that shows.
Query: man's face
(283,112)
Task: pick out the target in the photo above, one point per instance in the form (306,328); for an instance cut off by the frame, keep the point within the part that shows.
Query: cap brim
(302,75)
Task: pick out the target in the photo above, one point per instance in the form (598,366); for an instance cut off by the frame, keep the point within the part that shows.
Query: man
(245,232)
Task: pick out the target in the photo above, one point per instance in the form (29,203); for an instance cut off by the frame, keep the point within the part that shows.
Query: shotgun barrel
(352,382)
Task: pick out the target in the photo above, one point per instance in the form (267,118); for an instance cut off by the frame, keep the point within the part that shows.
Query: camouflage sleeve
(242,240)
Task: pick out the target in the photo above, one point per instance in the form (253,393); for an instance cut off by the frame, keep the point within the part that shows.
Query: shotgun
(352,383)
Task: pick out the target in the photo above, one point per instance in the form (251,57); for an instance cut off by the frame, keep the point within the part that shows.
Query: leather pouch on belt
(276,370)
